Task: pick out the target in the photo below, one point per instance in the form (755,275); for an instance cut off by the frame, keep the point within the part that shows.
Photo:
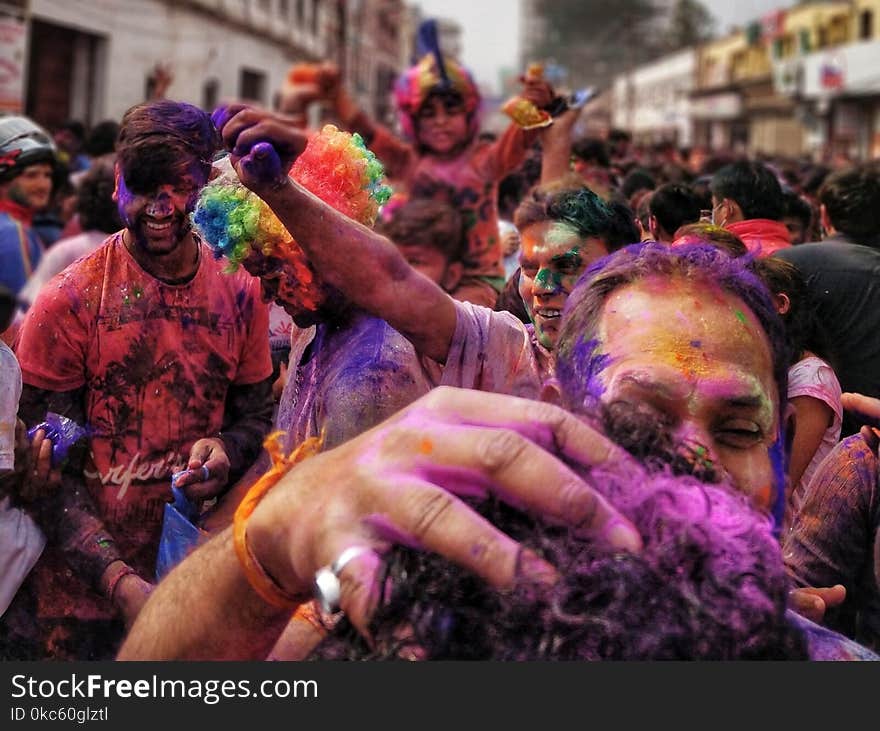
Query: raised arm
(365,266)
(556,142)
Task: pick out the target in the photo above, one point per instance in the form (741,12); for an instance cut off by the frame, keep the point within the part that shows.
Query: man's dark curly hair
(709,585)
(159,140)
(568,201)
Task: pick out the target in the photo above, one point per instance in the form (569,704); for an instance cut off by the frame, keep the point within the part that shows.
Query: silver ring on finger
(327,587)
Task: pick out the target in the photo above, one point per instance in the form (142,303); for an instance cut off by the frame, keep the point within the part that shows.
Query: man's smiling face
(553,258)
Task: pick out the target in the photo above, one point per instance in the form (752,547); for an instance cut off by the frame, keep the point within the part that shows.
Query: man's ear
(551,392)
(783,303)
(736,213)
(653,228)
(452,276)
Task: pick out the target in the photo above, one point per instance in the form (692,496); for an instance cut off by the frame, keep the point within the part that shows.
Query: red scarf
(20,213)
(761,236)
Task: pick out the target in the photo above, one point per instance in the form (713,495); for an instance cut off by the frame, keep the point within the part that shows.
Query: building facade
(93,59)
(826,63)
(735,104)
(653,101)
(379,40)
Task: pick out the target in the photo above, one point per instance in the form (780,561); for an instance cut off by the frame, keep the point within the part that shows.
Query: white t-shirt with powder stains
(21,541)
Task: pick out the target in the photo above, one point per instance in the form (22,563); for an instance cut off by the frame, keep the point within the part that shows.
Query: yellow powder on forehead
(681,350)
(704,315)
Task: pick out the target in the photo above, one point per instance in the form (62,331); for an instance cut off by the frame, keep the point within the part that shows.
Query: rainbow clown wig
(415,85)
(236,223)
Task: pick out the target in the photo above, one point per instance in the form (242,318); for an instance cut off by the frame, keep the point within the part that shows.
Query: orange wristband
(260,581)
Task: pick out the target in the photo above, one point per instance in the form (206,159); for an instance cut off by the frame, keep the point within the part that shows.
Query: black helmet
(22,143)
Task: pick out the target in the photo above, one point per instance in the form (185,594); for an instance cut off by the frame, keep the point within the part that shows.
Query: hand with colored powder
(334,165)
(536,89)
(868,410)
(207,471)
(403,482)
(305,84)
(262,145)
(33,475)
(527,109)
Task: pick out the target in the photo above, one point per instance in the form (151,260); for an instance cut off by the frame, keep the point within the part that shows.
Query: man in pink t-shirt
(165,359)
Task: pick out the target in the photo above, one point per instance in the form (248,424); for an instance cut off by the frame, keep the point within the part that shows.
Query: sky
(739,12)
(490,35)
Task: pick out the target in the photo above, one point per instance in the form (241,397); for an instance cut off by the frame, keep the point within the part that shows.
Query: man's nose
(544,282)
(699,440)
(159,205)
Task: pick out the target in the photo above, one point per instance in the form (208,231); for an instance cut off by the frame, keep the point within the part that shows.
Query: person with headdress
(443,157)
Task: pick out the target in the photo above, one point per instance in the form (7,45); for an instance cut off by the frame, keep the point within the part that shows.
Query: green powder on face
(740,316)
(544,278)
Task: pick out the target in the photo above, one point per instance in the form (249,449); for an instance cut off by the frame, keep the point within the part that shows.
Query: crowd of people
(556,398)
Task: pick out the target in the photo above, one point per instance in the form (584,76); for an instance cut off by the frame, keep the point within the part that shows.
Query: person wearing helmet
(444,159)
(27,159)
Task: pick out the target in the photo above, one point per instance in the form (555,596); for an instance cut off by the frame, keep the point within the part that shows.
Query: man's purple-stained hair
(710,584)
(159,139)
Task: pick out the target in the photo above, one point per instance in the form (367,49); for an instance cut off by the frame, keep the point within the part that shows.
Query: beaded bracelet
(118,576)
(259,579)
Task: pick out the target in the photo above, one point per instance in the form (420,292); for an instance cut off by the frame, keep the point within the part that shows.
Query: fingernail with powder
(220,116)
(622,536)
(533,568)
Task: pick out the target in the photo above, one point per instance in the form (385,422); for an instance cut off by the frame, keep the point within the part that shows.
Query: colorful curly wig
(236,223)
(415,85)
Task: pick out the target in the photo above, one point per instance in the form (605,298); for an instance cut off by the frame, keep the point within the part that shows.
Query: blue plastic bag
(180,535)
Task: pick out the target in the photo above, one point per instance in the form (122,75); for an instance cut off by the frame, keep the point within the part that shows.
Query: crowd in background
(495,268)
